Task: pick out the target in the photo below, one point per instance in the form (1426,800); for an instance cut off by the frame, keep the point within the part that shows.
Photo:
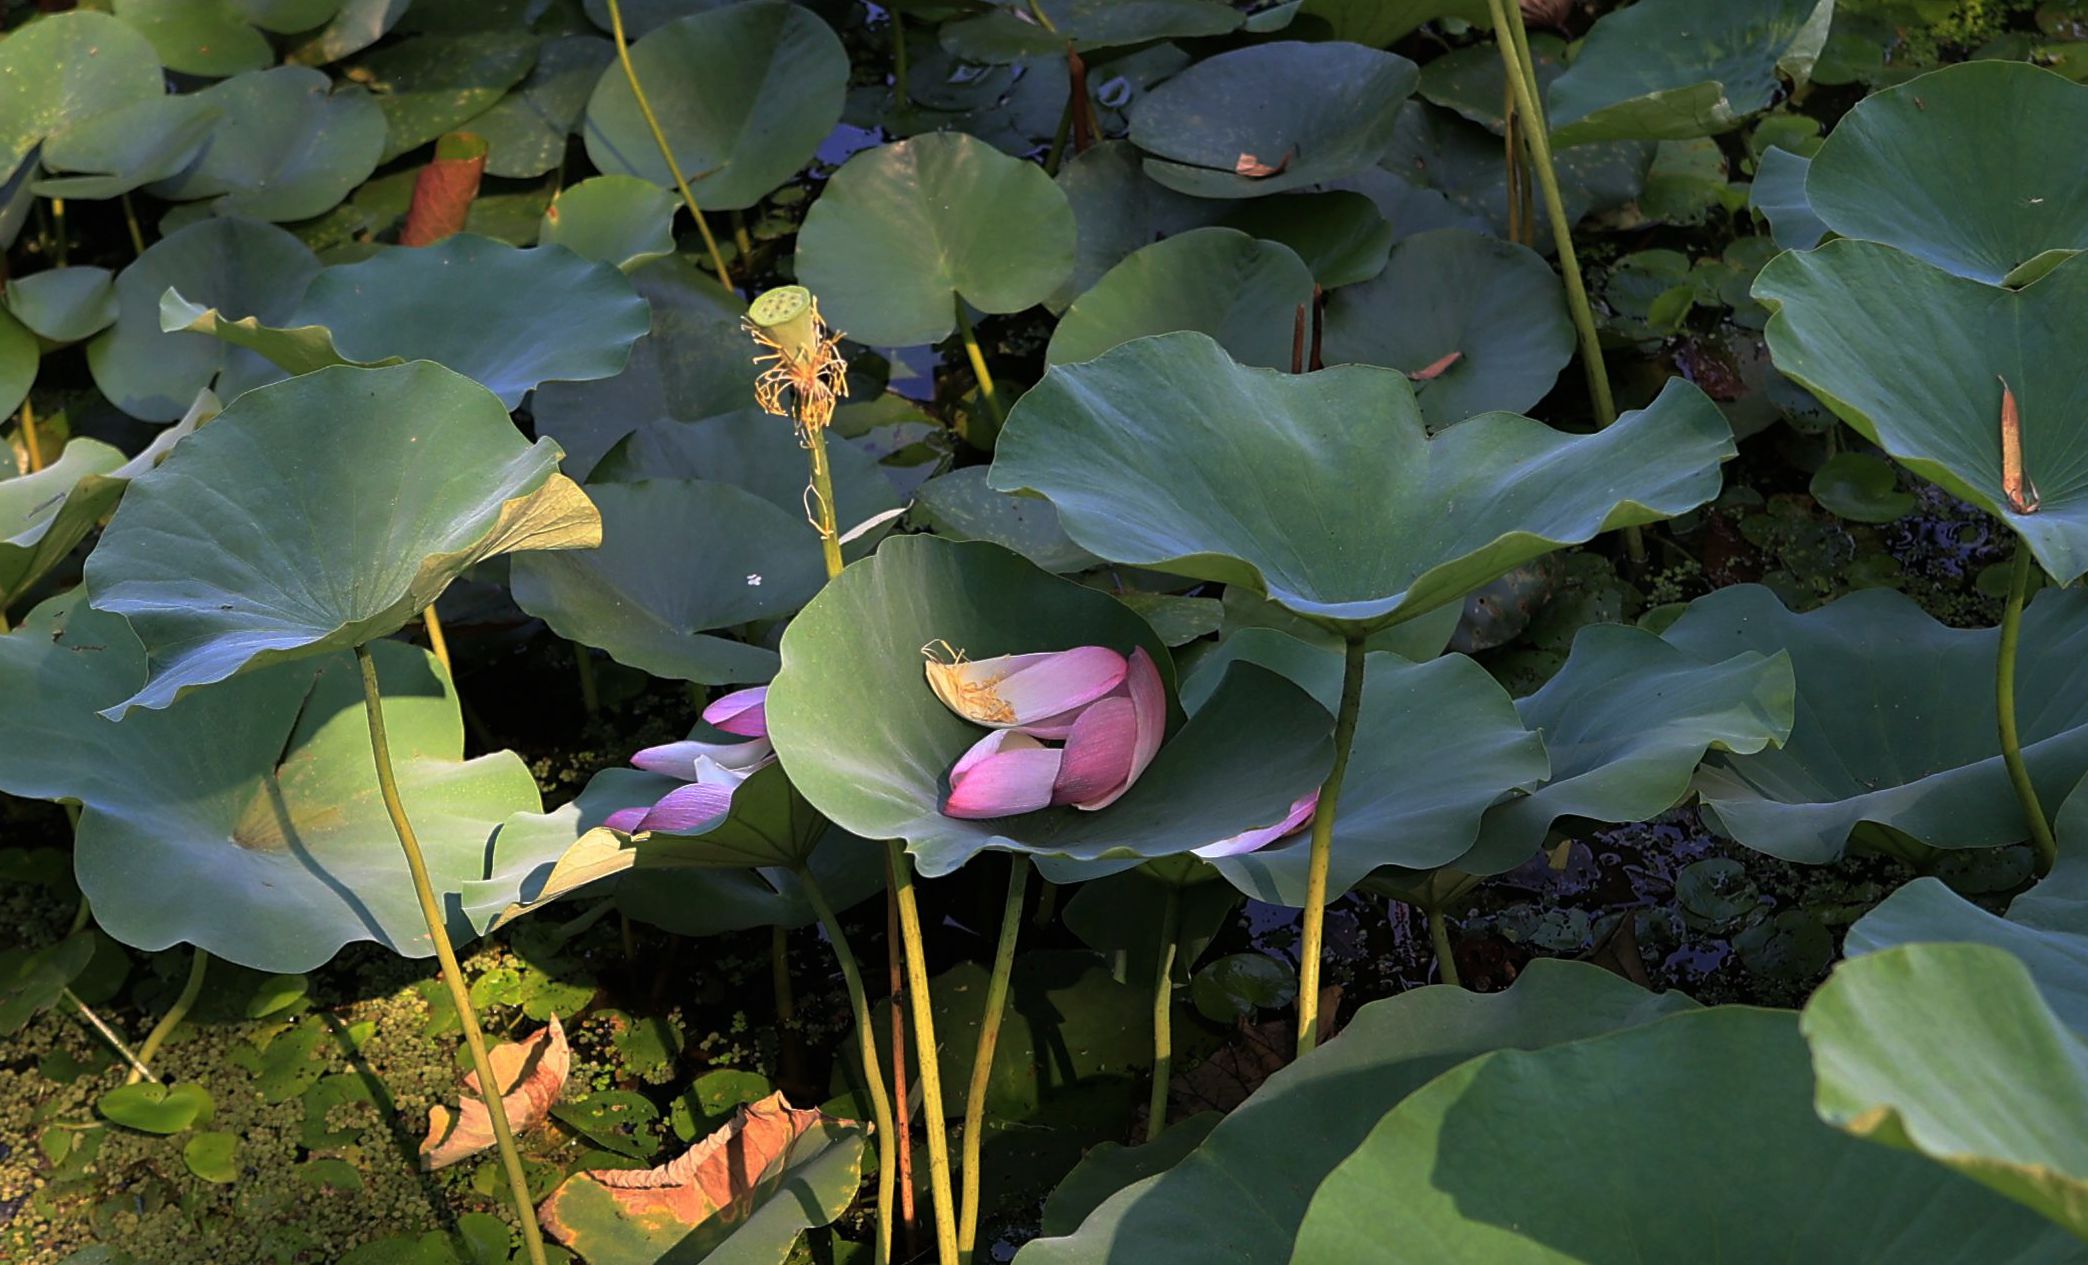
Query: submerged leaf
(531,1072)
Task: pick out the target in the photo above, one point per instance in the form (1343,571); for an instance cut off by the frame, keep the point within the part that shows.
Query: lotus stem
(590,693)
(901,91)
(452,974)
(62,249)
(199,964)
(926,1053)
(989,1039)
(979,369)
(2041,839)
(438,643)
(873,1072)
(1323,844)
(108,1034)
(1439,936)
(130,220)
(823,499)
(623,54)
(895,962)
(1163,1012)
(30,443)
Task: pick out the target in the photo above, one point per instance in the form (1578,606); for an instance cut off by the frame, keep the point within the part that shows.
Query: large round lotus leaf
(118,150)
(1779,193)
(431,84)
(904,231)
(745,95)
(1340,234)
(1491,1163)
(288,145)
(1470,81)
(1461,159)
(236,266)
(64,305)
(357,25)
(1291,1133)
(1219,281)
(1325,490)
(246,820)
(44,514)
(417,474)
(870,744)
(1117,210)
(1271,117)
(1899,168)
(1626,721)
(1914,358)
(504,317)
(20,355)
(1437,743)
(1948,1050)
(1894,721)
(959,505)
(1497,307)
(1380,22)
(650,599)
(66,67)
(526,131)
(618,220)
(643,17)
(1673,69)
(695,362)
(208,38)
(1009,32)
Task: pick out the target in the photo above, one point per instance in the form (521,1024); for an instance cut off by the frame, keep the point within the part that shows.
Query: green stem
(873,1071)
(63,248)
(823,493)
(989,1038)
(901,93)
(590,693)
(452,974)
(2005,708)
(1323,845)
(1163,1011)
(438,644)
(1056,155)
(1439,936)
(979,369)
(108,1034)
(130,219)
(623,54)
(199,963)
(926,1053)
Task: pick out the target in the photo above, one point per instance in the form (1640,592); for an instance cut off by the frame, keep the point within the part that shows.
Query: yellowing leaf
(531,1073)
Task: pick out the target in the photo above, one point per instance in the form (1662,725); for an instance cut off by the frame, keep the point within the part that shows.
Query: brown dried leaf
(721,1176)
(444,189)
(1255,169)
(1434,368)
(1255,1053)
(2021,490)
(531,1073)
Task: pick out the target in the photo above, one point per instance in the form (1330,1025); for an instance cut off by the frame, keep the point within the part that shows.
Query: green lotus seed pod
(789,318)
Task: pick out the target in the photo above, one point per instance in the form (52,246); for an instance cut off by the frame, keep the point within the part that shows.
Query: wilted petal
(686,810)
(1018,689)
(626,820)
(1003,774)
(531,1074)
(1109,755)
(686,759)
(742,712)
(1253,840)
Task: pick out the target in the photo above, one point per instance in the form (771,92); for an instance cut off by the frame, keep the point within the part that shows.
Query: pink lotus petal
(1002,775)
(685,759)
(742,712)
(1253,840)
(688,810)
(991,745)
(1019,689)
(1099,753)
(626,820)
(1147,694)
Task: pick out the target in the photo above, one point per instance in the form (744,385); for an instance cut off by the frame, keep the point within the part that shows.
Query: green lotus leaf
(1108,1168)
(744,93)
(65,67)
(618,220)
(1164,452)
(288,145)
(1458,1167)
(1626,721)
(237,266)
(1340,234)
(431,84)
(469,303)
(1894,721)
(20,355)
(357,25)
(417,472)
(1380,22)
(1423,637)
(1779,193)
(118,150)
(679,558)
(1007,32)
(526,130)
(207,38)
(904,231)
(1898,167)
(643,17)
(695,363)
(1471,82)
(1497,307)
(960,506)
(64,305)
(33,981)
(1285,1139)
(1922,375)
(1674,69)
(1434,148)
(869,743)
(1861,487)
(1948,1050)
(245,819)
(1241,291)
(1271,117)
(1117,210)
(44,514)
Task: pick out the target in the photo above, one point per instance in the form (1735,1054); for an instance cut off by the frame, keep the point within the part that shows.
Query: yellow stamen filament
(972,698)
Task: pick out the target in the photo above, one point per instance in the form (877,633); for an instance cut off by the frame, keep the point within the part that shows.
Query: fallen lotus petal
(695,761)
(686,810)
(1255,840)
(740,712)
(532,1072)
(1005,773)
(1435,368)
(1013,690)
(1114,739)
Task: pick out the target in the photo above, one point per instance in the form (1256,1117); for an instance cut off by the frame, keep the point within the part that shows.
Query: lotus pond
(1079,632)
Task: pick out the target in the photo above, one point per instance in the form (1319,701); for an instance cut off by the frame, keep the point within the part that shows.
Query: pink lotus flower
(713,770)
(1109,713)
(1297,819)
